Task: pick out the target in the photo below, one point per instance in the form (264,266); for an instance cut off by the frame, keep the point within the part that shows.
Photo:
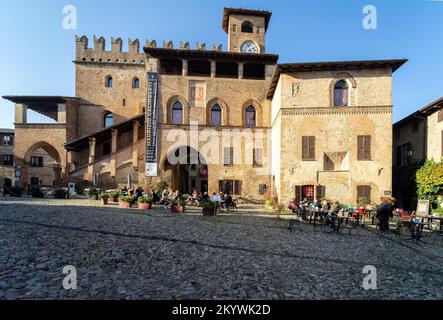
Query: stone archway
(186,170)
(54,170)
(45,146)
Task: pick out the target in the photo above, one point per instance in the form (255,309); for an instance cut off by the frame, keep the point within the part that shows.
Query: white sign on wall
(151,126)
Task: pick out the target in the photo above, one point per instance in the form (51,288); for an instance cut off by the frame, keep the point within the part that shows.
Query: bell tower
(246,29)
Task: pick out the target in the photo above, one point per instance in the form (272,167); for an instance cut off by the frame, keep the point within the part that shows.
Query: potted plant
(114,196)
(37,193)
(209,208)
(125,201)
(104,197)
(145,202)
(177,206)
(62,193)
(16,192)
(93,193)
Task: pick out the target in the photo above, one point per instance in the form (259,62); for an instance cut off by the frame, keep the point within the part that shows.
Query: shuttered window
(237,187)
(258,158)
(442,143)
(364,192)
(228,157)
(7,160)
(308,148)
(440,116)
(298,194)
(320,192)
(230,186)
(364,148)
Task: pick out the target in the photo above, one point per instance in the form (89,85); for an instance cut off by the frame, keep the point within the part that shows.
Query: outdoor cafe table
(417,227)
(313,213)
(431,218)
(338,221)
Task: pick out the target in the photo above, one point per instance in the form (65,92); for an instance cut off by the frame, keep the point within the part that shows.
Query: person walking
(384,213)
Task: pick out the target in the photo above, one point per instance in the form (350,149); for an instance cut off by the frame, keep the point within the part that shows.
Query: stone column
(184,68)
(57,175)
(152,65)
(24,179)
(114,152)
(69,161)
(92,143)
(21,113)
(136,128)
(213,69)
(240,70)
(61,113)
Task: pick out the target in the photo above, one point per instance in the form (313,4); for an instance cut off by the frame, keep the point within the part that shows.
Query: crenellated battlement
(98,52)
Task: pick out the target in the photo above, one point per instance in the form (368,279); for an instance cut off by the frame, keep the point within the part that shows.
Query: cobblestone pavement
(125,254)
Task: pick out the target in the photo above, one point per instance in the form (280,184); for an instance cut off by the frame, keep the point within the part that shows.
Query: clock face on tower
(249,47)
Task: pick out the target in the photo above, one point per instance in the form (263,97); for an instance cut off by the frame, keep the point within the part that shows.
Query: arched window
(108,82)
(136,83)
(177,113)
(250,117)
(247,27)
(341,94)
(108,119)
(216,115)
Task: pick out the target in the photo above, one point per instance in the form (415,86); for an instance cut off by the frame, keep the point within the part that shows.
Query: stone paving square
(126,254)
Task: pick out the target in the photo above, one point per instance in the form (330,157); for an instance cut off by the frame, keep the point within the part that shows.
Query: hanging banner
(151,126)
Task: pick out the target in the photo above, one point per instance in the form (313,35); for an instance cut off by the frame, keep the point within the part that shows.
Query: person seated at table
(324,210)
(204,198)
(138,192)
(335,208)
(384,213)
(227,201)
(317,206)
(216,198)
(304,202)
(155,196)
(293,206)
(164,198)
(175,195)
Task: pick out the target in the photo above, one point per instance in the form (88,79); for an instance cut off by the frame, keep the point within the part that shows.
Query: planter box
(209,212)
(115,199)
(177,209)
(145,206)
(123,204)
(105,201)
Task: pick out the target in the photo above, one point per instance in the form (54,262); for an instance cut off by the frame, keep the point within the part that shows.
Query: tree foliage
(430,180)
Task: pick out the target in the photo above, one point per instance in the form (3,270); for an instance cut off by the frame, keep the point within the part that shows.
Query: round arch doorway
(187,170)
(43,165)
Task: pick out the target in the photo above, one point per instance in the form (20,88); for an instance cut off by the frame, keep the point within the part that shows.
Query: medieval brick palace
(258,128)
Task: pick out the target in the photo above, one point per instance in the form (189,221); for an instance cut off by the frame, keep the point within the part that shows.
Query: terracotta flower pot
(105,201)
(145,206)
(177,209)
(209,212)
(115,199)
(124,204)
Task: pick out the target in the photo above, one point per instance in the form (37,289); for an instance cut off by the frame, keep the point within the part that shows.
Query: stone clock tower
(246,29)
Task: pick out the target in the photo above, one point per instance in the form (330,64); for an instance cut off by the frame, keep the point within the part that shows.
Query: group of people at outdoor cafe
(225,200)
(325,210)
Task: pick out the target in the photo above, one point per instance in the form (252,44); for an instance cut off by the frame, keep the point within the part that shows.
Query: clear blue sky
(36,51)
